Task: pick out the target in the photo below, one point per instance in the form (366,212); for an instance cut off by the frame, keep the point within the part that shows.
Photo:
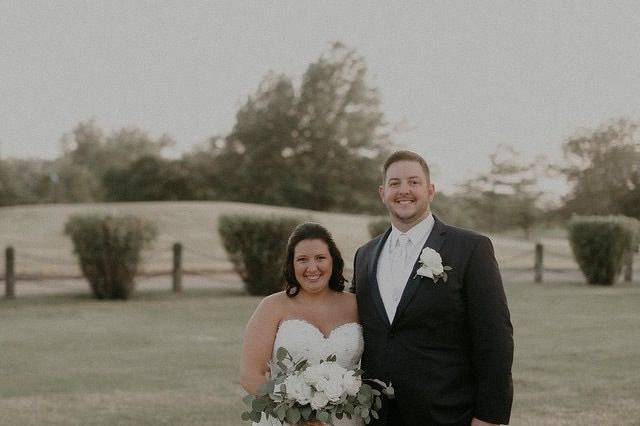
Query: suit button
(391,334)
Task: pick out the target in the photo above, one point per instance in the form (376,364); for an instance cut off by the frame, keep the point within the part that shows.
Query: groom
(445,343)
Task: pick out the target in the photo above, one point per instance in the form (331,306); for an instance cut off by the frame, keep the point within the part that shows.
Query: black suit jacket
(449,350)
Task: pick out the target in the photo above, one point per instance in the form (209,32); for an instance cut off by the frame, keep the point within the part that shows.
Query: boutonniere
(431,265)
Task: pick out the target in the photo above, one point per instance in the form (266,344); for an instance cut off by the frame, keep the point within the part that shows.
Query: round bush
(599,244)
(256,247)
(108,250)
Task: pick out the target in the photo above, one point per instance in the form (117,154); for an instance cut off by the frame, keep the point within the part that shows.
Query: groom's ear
(381,193)
(431,189)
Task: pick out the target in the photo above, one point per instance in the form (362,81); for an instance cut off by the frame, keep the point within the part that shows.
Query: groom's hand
(478,422)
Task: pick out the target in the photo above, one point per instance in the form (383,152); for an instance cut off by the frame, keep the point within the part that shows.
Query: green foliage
(378,226)
(603,168)
(256,247)
(505,196)
(149,179)
(108,250)
(319,147)
(599,243)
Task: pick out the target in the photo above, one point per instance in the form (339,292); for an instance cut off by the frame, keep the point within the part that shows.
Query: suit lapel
(435,241)
(374,289)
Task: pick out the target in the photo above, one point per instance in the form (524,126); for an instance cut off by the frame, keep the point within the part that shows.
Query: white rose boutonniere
(431,265)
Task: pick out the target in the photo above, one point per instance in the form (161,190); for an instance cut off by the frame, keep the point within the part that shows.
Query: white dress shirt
(397,258)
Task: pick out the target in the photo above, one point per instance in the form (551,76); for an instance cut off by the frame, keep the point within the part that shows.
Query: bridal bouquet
(301,392)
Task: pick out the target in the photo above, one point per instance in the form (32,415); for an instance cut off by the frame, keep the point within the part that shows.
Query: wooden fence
(537,268)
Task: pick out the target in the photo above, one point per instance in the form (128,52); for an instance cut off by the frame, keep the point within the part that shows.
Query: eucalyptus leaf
(246,416)
(348,407)
(281,353)
(378,403)
(281,411)
(301,365)
(305,412)
(293,415)
(256,416)
(448,268)
(259,404)
(323,416)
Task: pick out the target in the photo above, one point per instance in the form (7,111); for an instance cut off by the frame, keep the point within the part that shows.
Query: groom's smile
(406,193)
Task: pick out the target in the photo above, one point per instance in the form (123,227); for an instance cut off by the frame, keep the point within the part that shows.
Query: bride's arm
(257,345)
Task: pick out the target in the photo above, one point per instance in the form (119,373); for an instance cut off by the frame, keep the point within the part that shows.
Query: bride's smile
(312,265)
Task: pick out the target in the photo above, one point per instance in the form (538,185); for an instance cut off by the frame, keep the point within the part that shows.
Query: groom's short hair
(404,155)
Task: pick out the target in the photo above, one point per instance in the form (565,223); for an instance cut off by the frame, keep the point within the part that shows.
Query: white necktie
(398,266)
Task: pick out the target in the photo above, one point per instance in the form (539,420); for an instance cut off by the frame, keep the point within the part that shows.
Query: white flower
(319,400)
(351,383)
(297,389)
(430,258)
(333,389)
(312,375)
(431,265)
(425,272)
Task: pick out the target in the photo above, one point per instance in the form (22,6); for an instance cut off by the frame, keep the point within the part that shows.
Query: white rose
(351,383)
(437,269)
(297,389)
(425,272)
(312,374)
(333,389)
(430,257)
(432,261)
(319,400)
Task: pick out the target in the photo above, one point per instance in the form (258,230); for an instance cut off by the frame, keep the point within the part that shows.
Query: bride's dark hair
(312,231)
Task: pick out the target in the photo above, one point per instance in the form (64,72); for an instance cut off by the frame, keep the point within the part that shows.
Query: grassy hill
(36,232)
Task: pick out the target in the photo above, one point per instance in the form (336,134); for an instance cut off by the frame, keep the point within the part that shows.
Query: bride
(313,318)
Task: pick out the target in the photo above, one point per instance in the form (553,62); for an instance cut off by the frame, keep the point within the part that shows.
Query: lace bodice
(304,340)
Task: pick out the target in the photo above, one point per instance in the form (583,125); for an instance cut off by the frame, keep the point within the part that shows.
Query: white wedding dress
(304,340)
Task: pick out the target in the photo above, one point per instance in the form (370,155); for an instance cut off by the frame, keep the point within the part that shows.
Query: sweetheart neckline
(318,329)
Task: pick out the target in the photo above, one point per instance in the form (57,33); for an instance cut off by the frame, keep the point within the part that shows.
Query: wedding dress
(304,340)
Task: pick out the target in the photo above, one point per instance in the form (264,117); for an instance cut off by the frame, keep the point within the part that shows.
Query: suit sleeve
(491,335)
(355,268)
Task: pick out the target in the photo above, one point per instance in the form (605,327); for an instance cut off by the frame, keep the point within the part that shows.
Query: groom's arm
(491,334)
(355,268)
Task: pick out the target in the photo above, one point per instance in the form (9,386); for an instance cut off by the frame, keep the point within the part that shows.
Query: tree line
(319,145)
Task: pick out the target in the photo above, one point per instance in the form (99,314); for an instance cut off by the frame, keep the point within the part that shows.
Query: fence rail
(533,263)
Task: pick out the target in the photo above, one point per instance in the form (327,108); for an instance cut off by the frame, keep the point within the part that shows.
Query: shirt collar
(416,234)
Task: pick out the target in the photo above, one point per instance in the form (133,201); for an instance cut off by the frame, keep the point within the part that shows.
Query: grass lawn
(166,359)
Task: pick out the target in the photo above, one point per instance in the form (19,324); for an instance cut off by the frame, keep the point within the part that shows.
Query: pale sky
(464,76)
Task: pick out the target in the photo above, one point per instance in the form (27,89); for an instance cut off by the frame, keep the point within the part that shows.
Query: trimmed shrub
(256,247)
(108,250)
(378,226)
(599,244)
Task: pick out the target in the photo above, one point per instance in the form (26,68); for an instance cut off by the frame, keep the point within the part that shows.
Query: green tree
(506,196)
(88,154)
(603,169)
(254,161)
(319,147)
(149,179)
(341,138)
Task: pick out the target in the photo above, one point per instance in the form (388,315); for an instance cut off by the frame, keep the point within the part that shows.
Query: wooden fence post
(538,266)
(177,268)
(628,265)
(9,273)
